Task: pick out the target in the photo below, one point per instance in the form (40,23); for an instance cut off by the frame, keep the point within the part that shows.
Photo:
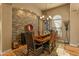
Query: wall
(7,23)
(18,23)
(41,27)
(64,11)
(74,24)
(6,27)
(0,28)
(28,6)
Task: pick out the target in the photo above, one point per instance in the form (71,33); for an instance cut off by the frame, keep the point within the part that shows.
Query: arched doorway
(57,19)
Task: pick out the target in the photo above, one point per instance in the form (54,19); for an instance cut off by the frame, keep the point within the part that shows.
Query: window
(58,24)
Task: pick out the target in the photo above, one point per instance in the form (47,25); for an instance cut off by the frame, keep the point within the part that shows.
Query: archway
(57,19)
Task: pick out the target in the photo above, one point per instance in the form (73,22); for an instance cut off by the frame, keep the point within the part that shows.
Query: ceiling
(44,6)
(41,6)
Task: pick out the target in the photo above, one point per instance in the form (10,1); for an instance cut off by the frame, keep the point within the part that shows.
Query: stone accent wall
(19,23)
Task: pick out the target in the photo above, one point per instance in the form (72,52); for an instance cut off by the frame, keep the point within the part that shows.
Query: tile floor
(58,50)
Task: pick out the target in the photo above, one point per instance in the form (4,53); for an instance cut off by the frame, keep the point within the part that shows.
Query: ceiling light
(50,17)
(40,17)
(47,18)
(43,16)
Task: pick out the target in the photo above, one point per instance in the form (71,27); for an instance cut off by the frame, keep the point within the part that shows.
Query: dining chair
(32,47)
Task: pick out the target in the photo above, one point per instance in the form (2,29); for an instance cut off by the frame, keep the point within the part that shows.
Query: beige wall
(31,7)
(41,27)
(61,10)
(7,23)
(74,24)
(6,27)
(0,28)
(64,11)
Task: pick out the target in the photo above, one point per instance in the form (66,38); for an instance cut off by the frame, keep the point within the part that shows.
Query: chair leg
(49,50)
(27,53)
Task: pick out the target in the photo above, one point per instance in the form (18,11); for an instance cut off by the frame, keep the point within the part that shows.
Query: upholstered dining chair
(32,47)
(50,45)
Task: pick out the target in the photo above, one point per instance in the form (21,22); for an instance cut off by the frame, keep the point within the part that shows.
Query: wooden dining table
(41,39)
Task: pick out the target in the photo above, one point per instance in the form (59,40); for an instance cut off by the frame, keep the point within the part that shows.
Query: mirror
(46,26)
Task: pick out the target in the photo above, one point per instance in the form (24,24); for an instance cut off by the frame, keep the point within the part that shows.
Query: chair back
(23,40)
(29,40)
(29,36)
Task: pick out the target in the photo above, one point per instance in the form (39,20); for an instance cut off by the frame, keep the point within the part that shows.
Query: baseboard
(6,51)
(0,52)
(78,45)
(75,45)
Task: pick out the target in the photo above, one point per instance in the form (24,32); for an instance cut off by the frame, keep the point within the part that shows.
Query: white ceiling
(41,6)
(44,6)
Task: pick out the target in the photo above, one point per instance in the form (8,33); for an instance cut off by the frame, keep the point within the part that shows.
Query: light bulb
(47,18)
(40,17)
(43,16)
(50,17)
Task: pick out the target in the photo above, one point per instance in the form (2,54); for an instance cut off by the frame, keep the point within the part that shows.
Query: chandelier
(45,16)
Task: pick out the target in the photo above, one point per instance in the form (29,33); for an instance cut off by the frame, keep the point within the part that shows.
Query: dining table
(41,39)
